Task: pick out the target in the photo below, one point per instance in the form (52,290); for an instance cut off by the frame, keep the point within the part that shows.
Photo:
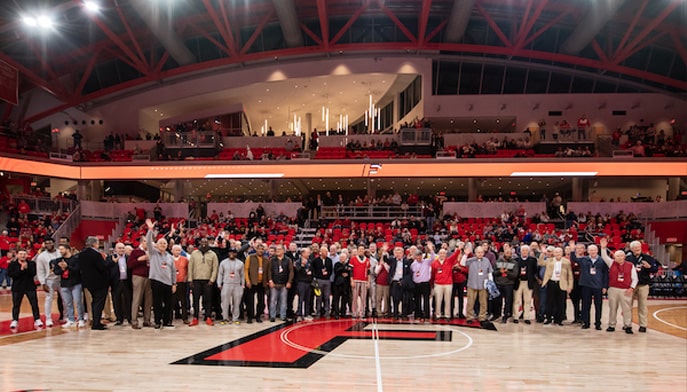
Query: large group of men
(228,281)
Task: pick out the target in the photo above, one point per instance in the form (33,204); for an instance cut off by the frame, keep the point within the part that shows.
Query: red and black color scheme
(267,348)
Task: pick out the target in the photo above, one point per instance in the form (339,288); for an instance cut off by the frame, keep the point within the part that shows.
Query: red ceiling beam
(526,27)
(56,91)
(41,58)
(397,22)
(226,35)
(212,40)
(84,78)
(436,30)
(644,44)
(161,63)
(544,28)
(599,52)
(131,35)
(350,22)
(679,47)
(424,18)
(227,26)
(525,14)
(311,34)
(493,25)
(631,27)
(628,50)
(324,23)
(138,64)
(256,33)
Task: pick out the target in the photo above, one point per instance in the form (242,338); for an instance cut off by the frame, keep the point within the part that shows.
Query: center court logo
(301,345)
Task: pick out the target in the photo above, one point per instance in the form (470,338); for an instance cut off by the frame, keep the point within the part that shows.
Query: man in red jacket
(442,278)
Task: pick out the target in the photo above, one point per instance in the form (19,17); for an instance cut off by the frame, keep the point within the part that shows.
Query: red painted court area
(272,348)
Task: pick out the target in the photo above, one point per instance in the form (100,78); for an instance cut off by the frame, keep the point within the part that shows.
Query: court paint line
(378,365)
(666,322)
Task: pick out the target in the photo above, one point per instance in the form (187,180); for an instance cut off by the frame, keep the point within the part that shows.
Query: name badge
(621,277)
(259,270)
(592,271)
(480,273)
(440,270)
(281,269)
(503,274)
(557,275)
(122,268)
(639,267)
(163,265)
(417,274)
(523,271)
(232,275)
(324,271)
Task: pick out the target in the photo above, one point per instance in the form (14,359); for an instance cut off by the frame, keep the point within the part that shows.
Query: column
(673,188)
(578,191)
(178,189)
(274,191)
(473,189)
(82,189)
(308,130)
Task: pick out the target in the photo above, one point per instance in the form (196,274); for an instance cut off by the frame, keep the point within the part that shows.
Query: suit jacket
(251,269)
(407,277)
(95,273)
(567,280)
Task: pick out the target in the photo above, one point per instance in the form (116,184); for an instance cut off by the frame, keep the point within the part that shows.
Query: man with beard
(202,273)
(48,280)
(67,268)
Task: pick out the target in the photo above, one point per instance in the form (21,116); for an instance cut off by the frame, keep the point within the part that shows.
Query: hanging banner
(9,83)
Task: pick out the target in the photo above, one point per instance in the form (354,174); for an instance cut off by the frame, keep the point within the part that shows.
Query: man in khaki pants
(142,292)
(479,271)
(646,266)
(622,280)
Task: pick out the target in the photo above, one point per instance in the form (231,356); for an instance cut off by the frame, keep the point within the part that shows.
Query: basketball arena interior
(274,187)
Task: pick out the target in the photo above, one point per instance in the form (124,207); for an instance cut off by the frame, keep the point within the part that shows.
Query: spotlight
(91,6)
(30,21)
(45,21)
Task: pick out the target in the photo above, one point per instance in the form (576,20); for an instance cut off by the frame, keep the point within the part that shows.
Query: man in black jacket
(95,276)
(525,284)
(401,286)
(22,270)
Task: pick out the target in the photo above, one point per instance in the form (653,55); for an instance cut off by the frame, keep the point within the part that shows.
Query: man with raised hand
(622,280)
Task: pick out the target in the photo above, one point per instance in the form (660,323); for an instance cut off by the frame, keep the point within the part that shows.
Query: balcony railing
(371,212)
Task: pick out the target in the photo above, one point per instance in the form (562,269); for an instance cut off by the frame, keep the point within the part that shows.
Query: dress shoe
(250,321)
(258,319)
(628,331)
(559,323)
(147,325)
(642,329)
(135,326)
(528,322)
(547,322)
(515,321)
(610,329)
(598,328)
(585,326)
(118,323)
(504,320)
(158,326)
(272,319)
(99,327)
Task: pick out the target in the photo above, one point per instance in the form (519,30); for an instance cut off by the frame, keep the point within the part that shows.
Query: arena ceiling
(81,55)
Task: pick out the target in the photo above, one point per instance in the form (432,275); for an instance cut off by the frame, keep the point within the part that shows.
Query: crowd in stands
(645,141)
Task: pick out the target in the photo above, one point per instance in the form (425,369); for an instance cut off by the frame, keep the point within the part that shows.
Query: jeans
(278,293)
(5,279)
(53,287)
(323,306)
(72,296)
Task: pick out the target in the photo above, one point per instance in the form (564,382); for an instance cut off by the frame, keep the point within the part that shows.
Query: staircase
(658,250)
(305,235)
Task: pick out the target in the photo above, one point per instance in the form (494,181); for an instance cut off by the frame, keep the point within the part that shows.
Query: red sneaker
(193,323)
(209,322)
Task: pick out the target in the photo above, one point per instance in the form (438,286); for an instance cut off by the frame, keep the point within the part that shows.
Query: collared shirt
(121,262)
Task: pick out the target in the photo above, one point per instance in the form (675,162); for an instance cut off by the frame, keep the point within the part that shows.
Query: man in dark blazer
(96,277)
(120,285)
(401,285)
(525,284)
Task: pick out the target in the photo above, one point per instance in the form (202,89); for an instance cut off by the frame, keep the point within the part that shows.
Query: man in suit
(558,281)
(401,285)
(95,276)
(593,283)
(526,283)
(121,284)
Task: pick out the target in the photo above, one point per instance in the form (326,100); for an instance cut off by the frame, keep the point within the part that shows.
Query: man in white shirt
(48,280)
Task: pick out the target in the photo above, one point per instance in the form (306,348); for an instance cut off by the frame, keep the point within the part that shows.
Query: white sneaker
(38,324)
(308,318)
(14,324)
(82,323)
(48,322)
(68,324)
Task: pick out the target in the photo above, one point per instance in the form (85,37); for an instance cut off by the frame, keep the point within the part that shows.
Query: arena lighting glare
(245,175)
(553,174)
(91,6)
(30,21)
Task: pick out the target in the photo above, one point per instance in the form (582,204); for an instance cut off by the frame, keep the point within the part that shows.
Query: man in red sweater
(622,280)
(142,291)
(459,280)
(442,278)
